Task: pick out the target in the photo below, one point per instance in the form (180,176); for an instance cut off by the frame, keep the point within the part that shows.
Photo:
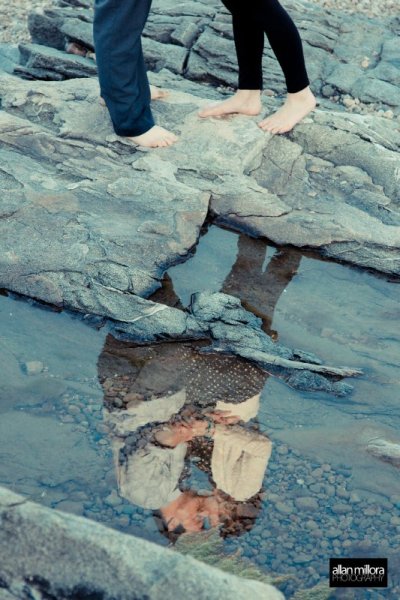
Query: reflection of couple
(185,425)
(183,421)
(117,30)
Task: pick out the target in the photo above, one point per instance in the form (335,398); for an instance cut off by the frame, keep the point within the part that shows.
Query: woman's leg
(248,36)
(249,43)
(285,41)
(117,30)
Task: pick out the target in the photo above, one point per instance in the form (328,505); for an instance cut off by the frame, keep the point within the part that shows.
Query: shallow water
(322,494)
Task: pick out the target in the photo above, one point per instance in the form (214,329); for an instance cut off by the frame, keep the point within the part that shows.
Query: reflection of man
(182,405)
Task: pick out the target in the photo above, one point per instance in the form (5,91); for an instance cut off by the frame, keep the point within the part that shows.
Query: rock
(284,508)
(33,367)
(66,555)
(113,499)
(341,508)
(385,450)
(302,558)
(40,62)
(196,39)
(306,503)
(168,229)
(247,511)
(69,506)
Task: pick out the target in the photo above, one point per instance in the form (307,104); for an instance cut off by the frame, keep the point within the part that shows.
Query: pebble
(75,508)
(342,492)
(301,558)
(67,419)
(329,489)
(306,503)
(113,499)
(283,508)
(332,533)
(341,508)
(354,498)
(123,521)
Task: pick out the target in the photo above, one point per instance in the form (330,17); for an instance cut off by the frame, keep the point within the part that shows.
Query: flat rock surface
(90,223)
(50,554)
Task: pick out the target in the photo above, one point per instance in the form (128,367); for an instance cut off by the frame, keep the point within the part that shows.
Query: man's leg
(117,30)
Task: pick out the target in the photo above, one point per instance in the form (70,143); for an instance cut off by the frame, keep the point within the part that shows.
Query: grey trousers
(117,30)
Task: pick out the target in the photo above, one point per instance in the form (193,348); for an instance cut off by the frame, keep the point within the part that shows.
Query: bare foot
(156,94)
(244,102)
(156,137)
(295,108)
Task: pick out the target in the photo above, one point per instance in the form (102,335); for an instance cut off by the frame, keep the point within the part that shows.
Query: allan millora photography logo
(358,572)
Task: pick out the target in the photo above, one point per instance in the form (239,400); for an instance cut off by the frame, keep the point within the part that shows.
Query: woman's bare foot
(295,108)
(156,137)
(156,94)
(244,102)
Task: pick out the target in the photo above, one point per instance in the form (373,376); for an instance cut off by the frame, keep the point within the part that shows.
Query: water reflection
(259,289)
(183,425)
(254,277)
(183,420)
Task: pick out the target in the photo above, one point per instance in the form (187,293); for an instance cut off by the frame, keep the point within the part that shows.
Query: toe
(275,129)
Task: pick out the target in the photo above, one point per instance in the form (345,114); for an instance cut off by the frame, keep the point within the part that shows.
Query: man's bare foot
(156,137)
(244,102)
(295,108)
(156,94)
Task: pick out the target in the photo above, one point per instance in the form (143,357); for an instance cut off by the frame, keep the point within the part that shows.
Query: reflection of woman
(183,411)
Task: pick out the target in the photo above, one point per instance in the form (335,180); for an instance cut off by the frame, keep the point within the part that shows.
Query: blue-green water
(55,444)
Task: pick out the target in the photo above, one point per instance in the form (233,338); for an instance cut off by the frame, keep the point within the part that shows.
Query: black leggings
(251,20)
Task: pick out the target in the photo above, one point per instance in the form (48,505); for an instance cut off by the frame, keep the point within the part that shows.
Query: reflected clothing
(150,476)
(251,20)
(117,30)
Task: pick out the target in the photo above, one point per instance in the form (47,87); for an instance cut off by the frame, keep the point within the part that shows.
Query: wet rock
(33,367)
(302,558)
(70,506)
(66,554)
(284,508)
(341,508)
(385,450)
(306,503)
(113,499)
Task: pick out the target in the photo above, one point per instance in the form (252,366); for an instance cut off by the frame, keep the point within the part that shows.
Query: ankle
(306,93)
(248,94)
